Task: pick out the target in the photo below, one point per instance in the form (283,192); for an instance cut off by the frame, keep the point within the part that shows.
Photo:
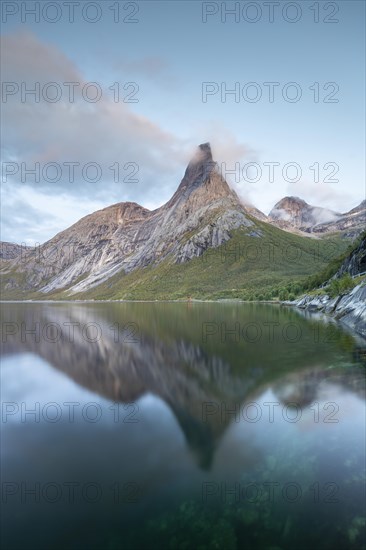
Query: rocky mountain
(9,251)
(355,263)
(349,306)
(126,236)
(293,213)
(127,251)
(360,208)
(253,211)
(351,224)
(297,213)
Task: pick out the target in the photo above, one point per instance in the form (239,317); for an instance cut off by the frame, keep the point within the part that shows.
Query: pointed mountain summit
(125,236)
(198,170)
(202,172)
(203,156)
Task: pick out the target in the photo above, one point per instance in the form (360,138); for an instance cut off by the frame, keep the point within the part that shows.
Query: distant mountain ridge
(300,214)
(294,213)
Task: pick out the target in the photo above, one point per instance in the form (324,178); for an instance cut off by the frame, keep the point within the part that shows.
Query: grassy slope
(245,267)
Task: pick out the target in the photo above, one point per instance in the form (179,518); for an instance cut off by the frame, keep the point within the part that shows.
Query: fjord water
(171,425)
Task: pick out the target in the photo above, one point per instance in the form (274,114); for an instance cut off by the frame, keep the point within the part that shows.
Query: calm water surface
(162,425)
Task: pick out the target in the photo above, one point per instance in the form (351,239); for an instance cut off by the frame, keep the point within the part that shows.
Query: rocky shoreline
(348,308)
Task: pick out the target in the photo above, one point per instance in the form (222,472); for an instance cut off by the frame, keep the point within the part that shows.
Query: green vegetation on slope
(334,264)
(340,286)
(275,265)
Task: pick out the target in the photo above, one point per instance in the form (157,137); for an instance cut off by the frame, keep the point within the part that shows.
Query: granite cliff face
(348,308)
(293,213)
(126,236)
(355,264)
(9,251)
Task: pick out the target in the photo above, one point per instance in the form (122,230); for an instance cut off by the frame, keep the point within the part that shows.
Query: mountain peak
(292,200)
(199,170)
(202,156)
(205,150)
(298,213)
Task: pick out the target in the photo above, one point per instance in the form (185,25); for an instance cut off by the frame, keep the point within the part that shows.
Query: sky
(123,92)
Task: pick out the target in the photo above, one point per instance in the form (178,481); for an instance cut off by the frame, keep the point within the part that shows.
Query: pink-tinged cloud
(105,131)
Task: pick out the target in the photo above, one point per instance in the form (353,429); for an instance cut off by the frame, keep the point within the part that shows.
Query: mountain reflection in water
(186,359)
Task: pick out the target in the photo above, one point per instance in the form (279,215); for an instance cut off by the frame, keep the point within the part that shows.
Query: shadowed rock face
(9,251)
(348,308)
(355,263)
(126,236)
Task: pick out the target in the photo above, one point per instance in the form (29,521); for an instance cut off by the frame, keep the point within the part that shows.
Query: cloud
(323,215)
(32,216)
(25,58)
(225,146)
(107,133)
(136,159)
(104,132)
(280,214)
(321,193)
(228,151)
(152,67)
